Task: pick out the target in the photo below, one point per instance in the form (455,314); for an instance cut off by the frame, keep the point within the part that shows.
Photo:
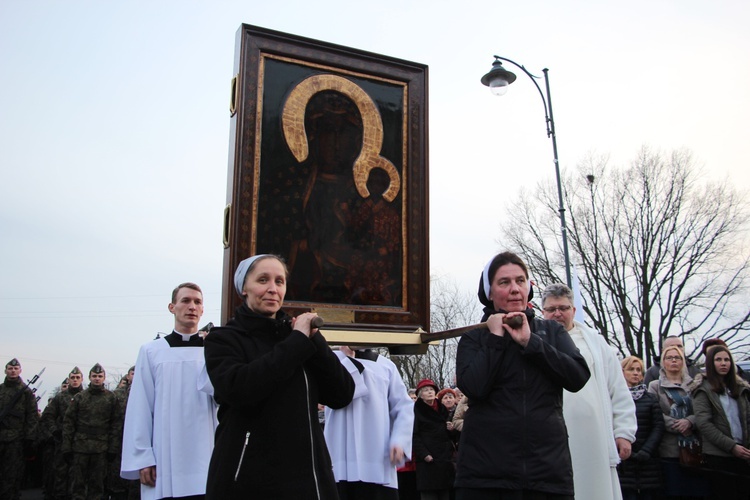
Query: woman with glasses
(672,390)
(722,411)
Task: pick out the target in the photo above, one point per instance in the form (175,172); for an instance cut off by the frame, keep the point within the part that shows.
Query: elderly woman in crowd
(432,444)
(269,372)
(679,424)
(448,397)
(640,475)
(514,442)
(722,415)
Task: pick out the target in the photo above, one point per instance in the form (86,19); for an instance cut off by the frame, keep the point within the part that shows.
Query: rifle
(18,395)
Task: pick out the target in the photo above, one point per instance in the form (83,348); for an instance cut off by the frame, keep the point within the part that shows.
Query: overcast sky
(114,136)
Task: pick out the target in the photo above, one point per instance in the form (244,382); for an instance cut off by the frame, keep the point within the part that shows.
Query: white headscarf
(241,273)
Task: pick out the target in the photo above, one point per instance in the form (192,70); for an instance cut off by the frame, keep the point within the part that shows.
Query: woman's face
(673,362)
(722,363)
(509,290)
(265,287)
(449,400)
(633,374)
(427,394)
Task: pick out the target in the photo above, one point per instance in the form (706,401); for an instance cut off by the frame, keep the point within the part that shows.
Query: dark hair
(192,286)
(718,383)
(504,258)
(491,268)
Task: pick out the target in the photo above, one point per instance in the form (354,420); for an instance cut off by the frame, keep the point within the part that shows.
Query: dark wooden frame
(258,49)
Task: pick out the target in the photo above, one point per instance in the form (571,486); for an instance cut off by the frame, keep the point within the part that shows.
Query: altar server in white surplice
(371,436)
(171,415)
(600,417)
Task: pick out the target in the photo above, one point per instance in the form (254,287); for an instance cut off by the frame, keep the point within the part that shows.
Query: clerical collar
(368,354)
(176,339)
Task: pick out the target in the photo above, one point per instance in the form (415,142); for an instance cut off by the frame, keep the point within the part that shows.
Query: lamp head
(498,78)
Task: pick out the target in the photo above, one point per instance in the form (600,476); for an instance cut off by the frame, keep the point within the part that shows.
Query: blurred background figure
(433,445)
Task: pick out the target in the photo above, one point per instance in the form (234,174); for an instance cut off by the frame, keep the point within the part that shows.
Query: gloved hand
(641,456)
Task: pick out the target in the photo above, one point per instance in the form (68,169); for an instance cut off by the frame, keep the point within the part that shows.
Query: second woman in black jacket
(514,440)
(269,372)
(640,475)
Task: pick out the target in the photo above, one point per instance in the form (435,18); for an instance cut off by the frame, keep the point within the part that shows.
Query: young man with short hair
(91,428)
(52,422)
(18,427)
(169,422)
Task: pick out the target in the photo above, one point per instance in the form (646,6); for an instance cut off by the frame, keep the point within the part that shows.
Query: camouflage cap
(131,369)
(97,368)
(75,371)
(12,362)
(65,381)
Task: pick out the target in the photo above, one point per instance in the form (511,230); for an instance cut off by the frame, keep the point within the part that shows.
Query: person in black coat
(514,442)
(432,443)
(269,372)
(640,475)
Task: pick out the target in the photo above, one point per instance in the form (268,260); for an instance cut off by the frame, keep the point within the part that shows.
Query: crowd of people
(542,408)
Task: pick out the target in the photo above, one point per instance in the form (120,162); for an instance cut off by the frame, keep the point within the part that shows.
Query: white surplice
(381,415)
(594,416)
(169,421)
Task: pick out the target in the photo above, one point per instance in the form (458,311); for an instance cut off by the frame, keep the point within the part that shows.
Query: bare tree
(658,250)
(450,307)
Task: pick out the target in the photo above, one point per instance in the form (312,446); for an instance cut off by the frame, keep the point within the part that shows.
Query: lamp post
(498,80)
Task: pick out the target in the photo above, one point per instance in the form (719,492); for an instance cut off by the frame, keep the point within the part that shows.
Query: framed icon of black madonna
(328,168)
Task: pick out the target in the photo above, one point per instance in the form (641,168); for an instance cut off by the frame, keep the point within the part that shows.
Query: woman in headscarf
(269,372)
(514,443)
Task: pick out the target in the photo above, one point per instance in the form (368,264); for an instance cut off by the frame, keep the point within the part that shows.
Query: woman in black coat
(640,475)
(514,442)
(432,444)
(269,372)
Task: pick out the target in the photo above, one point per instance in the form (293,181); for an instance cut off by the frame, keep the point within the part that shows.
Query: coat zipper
(312,442)
(242,456)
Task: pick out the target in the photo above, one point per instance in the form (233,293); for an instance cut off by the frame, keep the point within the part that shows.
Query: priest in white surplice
(600,417)
(371,436)
(171,416)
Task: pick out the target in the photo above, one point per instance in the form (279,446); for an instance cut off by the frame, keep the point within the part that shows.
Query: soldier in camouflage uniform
(18,426)
(117,487)
(91,430)
(52,421)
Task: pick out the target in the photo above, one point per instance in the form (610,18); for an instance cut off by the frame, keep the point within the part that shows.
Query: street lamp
(498,80)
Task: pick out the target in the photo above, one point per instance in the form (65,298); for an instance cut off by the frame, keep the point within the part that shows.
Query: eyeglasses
(673,358)
(553,310)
